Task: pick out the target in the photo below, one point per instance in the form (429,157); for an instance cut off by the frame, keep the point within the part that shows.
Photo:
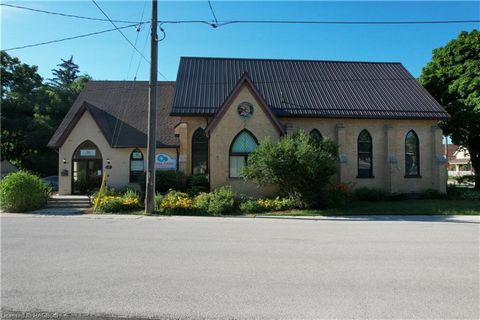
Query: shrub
(197,180)
(219,201)
(193,191)
(463,193)
(267,204)
(110,203)
(337,195)
(432,194)
(165,181)
(465,179)
(175,202)
(107,191)
(251,206)
(370,194)
(22,191)
(197,184)
(222,201)
(201,202)
(297,165)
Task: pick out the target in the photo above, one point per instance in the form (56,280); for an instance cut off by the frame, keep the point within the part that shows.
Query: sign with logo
(165,162)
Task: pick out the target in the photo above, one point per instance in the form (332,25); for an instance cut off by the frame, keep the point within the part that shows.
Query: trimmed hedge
(22,191)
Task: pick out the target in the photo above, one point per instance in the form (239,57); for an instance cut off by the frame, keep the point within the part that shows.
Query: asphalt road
(236,268)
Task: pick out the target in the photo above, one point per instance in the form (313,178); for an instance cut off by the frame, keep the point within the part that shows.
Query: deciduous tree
(453,78)
(299,166)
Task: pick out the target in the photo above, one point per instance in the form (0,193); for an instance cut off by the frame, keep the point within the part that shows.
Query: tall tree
(20,85)
(66,73)
(453,78)
(32,111)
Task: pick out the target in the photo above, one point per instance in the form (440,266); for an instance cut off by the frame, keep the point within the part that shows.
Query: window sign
(165,162)
(136,165)
(137,155)
(88,152)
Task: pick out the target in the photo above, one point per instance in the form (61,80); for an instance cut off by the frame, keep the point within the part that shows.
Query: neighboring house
(218,110)
(6,168)
(459,163)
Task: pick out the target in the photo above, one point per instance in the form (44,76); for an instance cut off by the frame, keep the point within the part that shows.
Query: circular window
(245,109)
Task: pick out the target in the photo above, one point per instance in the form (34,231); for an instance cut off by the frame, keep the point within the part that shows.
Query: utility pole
(152,116)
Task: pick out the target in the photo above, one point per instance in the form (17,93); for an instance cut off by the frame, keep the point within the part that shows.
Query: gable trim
(74,121)
(245,79)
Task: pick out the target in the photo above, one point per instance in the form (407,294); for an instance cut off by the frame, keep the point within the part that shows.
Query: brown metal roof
(306,88)
(120,110)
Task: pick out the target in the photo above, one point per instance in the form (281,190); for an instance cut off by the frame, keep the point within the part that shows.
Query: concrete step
(49,205)
(68,201)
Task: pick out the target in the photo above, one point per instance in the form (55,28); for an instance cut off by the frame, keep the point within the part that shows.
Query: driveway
(89,267)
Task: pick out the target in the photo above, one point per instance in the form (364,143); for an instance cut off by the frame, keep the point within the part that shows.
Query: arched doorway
(87,168)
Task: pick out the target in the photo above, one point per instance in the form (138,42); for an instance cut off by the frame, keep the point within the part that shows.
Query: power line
(66,14)
(224,23)
(68,38)
(213,13)
(228,22)
(125,37)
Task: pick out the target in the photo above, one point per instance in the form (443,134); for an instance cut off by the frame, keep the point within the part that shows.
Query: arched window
(137,165)
(199,152)
(316,136)
(243,144)
(412,155)
(364,149)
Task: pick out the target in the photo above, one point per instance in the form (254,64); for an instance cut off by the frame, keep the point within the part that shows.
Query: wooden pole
(152,116)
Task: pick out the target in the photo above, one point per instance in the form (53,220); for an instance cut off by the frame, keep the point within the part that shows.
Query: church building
(219,109)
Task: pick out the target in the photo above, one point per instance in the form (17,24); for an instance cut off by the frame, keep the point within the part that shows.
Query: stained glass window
(199,152)
(243,144)
(412,156)
(364,145)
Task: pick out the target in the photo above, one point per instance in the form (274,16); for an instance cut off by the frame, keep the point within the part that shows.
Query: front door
(87,175)
(87,168)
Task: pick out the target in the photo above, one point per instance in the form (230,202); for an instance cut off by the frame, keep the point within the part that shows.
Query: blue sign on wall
(165,162)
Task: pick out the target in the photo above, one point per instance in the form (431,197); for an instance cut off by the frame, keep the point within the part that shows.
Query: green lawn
(415,207)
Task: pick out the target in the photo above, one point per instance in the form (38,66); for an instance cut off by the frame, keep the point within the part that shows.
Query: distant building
(218,109)
(459,163)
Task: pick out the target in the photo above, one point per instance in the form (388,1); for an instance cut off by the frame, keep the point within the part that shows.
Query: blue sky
(108,56)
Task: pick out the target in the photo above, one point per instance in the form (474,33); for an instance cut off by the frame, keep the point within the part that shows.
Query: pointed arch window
(199,152)
(316,136)
(242,145)
(137,165)
(412,155)
(364,149)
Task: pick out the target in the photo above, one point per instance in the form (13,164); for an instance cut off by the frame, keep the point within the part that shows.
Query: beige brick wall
(223,134)
(388,140)
(87,129)
(388,137)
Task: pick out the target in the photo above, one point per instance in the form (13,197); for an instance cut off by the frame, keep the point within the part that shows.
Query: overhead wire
(69,38)
(126,38)
(263,21)
(115,135)
(213,13)
(65,14)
